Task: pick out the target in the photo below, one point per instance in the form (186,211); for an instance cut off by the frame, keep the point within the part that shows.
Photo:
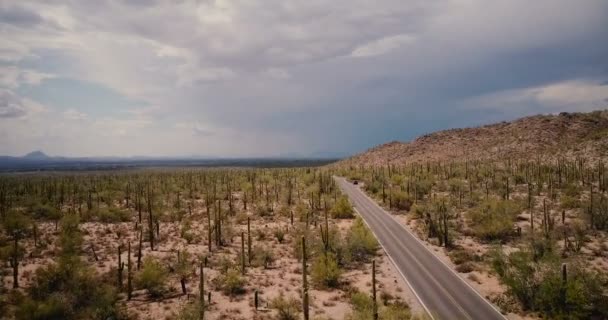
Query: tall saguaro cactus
(201,292)
(121,266)
(375,301)
(150,220)
(304,281)
(243,253)
(249,256)
(129,275)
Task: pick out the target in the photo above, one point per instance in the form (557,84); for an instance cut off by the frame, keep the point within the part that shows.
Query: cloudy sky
(279,77)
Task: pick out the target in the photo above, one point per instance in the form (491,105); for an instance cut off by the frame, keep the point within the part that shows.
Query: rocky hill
(566,135)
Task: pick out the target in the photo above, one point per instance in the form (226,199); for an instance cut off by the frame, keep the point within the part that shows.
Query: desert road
(442,293)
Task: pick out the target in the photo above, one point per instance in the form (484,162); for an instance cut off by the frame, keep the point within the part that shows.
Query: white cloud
(278,73)
(382,46)
(573,95)
(75,115)
(12,77)
(14,106)
(586,94)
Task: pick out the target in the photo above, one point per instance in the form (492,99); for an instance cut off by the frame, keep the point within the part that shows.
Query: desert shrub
(241,218)
(45,212)
(362,303)
(466,267)
(569,202)
(461,255)
(300,212)
(298,233)
(231,282)
(70,238)
(68,290)
(342,209)
(279,234)
(373,187)
(287,308)
(224,264)
(360,243)
(152,277)
(325,272)
(112,215)
(401,201)
(260,234)
(572,190)
(189,311)
(263,211)
(493,219)
(395,311)
(263,257)
(423,187)
(538,285)
(186,232)
(420,210)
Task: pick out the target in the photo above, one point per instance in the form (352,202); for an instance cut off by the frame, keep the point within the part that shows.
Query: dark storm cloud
(18,16)
(304,76)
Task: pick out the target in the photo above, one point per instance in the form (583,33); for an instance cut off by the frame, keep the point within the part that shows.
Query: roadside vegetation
(539,226)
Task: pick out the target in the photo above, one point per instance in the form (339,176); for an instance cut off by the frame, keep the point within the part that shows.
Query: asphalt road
(442,293)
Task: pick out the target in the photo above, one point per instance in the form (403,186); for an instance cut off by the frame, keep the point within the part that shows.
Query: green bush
(363,307)
(45,212)
(152,277)
(342,209)
(494,219)
(401,201)
(538,286)
(231,283)
(360,242)
(395,311)
(279,234)
(263,257)
(287,308)
(112,215)
(325,272)
(569,202)
(68,290)
(189,311)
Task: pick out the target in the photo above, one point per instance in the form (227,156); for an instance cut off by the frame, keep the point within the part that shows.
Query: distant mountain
(36,155)
(567,135)
(39,161)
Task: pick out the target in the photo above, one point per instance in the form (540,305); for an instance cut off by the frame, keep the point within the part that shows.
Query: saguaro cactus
(304,281)
(249,256)
(129,275)
(201,292)
(150,220)
(141,240)
(243,253)
(121,266)
(375,302)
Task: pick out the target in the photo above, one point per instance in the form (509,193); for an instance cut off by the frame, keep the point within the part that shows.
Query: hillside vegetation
(519,209)
(567,135)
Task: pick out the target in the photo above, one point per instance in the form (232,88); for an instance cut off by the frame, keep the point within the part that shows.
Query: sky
(258,78)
